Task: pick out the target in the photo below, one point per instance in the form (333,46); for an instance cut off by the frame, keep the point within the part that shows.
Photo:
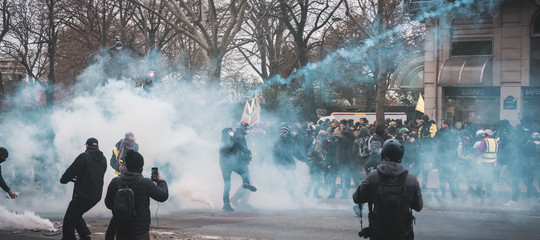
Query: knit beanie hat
(134,161)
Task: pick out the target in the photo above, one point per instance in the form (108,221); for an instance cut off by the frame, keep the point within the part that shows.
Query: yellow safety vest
(116,151)
(490,154)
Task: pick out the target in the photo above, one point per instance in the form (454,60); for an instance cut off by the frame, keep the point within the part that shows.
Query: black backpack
(364,147)
(392,216)
(124,202)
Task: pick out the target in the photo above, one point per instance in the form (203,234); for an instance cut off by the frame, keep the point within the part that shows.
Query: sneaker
(250,187)
(510,203)
(227,208)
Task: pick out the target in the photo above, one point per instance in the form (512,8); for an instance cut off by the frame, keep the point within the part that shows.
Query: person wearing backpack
(86,171)
(375,143)
(317,154)
(131,212)
(391,193)
(361,151)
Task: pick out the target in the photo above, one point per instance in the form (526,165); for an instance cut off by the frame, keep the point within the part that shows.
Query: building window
(535,50)
(472,48)
(536,25)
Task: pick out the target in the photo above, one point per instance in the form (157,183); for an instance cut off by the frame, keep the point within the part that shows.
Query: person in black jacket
(3,156)
(391,172)
(243,158)
(87,172)
(143,189)
(229,162)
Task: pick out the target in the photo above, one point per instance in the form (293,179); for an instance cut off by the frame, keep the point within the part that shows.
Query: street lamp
(335,19)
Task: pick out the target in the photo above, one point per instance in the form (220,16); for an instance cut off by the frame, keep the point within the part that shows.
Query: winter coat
(88,169)
(116,160)
(283,152)
(367,191)
(319,152)
(240,146)
(3,184)
(143,190)
(346,154)
(226,150)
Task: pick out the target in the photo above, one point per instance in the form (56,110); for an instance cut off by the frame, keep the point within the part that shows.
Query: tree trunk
(381,89)
(309,110)
(49,91)
(381,75)
(214,69)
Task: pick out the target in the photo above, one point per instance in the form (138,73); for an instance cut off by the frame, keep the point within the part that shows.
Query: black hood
(129,178)
(95,153)
(390,169)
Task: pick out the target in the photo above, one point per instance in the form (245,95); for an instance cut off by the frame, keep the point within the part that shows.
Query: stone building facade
(485,67)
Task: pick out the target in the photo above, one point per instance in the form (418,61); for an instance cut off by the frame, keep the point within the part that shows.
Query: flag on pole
(252,111)
(420,104)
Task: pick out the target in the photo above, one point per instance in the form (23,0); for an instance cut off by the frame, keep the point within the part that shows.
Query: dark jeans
(226,171)
(73,219)
(111,229)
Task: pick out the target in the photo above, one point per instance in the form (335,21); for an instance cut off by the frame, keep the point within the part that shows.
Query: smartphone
(154,174)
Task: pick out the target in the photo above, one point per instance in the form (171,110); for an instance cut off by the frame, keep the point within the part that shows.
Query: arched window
(535,50)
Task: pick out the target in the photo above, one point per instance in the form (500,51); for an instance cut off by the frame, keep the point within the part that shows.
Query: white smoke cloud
(25,220)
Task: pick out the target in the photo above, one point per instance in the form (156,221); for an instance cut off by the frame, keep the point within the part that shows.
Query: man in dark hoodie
(87,172)
(391,175)
(229,162)
(3,156)
(143,189)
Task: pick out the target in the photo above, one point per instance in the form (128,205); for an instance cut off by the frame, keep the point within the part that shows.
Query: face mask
(294,133)
(231,134)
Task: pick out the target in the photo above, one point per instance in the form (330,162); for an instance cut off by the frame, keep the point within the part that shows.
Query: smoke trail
(26,220)
(326,67)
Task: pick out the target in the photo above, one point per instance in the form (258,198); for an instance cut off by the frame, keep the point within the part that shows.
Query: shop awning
(467,71)
(409,74)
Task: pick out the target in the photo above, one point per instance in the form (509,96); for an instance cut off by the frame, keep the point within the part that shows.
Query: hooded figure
(87,172)
(143,189)
(234,156)
(3,156)
(390,173)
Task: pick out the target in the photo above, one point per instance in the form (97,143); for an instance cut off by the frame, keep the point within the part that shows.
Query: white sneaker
(510,203)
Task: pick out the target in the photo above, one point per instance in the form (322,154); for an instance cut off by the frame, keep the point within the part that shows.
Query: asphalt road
(442,218)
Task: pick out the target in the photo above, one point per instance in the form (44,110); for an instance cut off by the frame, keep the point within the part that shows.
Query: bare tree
(303,19)
(213,27)
(27,43)
(266,56)
(378,21)
(6,18)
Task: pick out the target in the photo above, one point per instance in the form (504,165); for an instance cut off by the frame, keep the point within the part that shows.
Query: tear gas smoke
(26,220)
(177,126)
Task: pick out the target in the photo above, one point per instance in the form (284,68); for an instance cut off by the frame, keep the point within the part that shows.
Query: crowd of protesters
(466,157)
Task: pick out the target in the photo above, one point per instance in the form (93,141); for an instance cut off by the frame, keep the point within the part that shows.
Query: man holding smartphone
(143,189)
